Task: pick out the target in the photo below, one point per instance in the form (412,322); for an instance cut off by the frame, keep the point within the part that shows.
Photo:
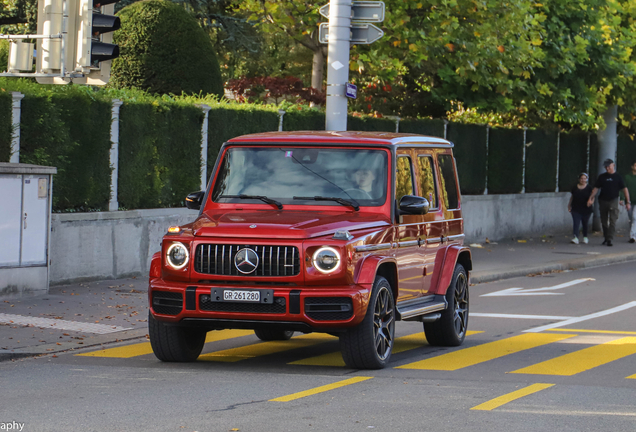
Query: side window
(427,180)
(448,182)
(403,178)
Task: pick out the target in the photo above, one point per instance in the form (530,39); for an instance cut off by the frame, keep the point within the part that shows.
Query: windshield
(286,173)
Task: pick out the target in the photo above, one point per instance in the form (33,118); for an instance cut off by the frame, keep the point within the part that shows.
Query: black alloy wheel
(369,345)
(450,329)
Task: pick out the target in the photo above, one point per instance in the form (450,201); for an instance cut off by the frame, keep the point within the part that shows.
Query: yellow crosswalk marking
(585,359)
(502,400)
(144,348)
(632,376)
(265,348)
(320,389)
(481,353)
(404,343)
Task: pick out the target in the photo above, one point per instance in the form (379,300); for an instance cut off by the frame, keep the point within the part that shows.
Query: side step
(414,310)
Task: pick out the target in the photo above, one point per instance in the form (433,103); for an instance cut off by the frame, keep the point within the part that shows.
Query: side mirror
(194,200)
(411,204)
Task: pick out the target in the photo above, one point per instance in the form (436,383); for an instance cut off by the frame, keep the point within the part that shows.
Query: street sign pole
(338,64)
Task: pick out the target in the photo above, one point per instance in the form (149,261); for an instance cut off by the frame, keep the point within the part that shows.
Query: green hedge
(159,154)
(572,158)
(296,120)
(5,125)
(370,124)
(505,161)
(541,160)
(431,127)
(67,127)
(626,154)
(470,154)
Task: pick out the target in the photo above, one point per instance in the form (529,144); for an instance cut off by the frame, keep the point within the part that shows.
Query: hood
(283,224)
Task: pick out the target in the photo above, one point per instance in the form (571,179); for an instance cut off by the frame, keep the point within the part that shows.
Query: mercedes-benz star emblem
(246,261)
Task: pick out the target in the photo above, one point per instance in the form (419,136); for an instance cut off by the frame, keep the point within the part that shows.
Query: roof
(20,168)
(348,137)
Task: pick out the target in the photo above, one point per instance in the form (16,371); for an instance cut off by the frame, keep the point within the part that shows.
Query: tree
(163,50)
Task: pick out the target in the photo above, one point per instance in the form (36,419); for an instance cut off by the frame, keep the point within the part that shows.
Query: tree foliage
(163,50)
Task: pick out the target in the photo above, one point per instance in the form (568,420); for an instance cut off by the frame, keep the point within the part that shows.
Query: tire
(173,343)
(369,344)
(450,329)
(273,335)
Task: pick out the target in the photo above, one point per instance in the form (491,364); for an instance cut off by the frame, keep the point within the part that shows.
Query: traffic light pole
(338,64)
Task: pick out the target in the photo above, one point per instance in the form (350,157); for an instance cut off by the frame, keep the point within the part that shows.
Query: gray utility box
(25,224)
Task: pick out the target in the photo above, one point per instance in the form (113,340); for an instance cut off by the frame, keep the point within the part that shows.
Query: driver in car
(363,180)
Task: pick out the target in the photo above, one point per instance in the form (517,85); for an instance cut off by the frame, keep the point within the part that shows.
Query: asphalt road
(552,352)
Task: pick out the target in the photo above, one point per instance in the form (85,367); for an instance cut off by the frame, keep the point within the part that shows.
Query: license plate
(242,296)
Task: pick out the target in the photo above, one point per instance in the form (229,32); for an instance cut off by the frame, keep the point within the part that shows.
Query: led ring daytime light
(326,260)
(177,262)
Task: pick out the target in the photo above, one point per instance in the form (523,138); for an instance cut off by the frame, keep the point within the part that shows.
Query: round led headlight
(177,256)
(326,259)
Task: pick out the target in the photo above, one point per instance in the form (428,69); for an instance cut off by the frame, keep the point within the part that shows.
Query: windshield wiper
(342,201)
(258,197)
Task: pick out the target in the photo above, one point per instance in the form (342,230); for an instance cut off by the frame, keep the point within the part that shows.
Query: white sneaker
(585,240)
(575,240)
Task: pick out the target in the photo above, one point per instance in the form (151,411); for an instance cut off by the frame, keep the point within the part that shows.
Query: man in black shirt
(610,184)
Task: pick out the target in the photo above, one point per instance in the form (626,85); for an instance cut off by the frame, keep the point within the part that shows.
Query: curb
(40,350)
(578,263)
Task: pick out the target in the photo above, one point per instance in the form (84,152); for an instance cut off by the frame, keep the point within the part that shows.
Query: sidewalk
(89,314)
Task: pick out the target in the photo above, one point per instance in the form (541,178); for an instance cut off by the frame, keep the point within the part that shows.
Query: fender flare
(445,262)
(369,267)
(155,266)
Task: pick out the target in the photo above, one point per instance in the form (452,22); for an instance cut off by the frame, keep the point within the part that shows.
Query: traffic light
(80,48)
(94,37)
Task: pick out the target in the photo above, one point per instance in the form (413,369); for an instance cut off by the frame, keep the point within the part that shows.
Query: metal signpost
(339,34)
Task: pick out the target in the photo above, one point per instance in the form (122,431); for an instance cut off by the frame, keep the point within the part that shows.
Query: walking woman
(579,208)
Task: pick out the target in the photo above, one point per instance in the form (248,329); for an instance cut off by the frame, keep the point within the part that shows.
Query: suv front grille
(218,259)
(167,303)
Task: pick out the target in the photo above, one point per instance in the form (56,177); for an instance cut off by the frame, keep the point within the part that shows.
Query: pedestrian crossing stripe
(583,360)
(404,343)
(144,348)
(502,400)
(266,348)
(631,377)
(320,389)
(594,331)
(489,351)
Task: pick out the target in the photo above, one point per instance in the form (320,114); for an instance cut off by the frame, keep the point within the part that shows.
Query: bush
(541,160)
(470,154)
(163,50)
(505,161)
(572,159)
(5,125)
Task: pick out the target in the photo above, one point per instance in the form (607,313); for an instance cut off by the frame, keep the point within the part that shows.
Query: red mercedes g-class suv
(336,232)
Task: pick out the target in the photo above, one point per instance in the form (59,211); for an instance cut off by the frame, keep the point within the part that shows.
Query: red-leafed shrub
(274,90)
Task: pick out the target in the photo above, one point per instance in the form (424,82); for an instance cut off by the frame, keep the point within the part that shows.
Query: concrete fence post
(557,161)
(445,128)
(487,144)
(204,145)
(15,126)
(281,114)
(523,177)
(113,204)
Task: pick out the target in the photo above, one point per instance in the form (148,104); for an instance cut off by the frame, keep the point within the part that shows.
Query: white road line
(515,316)
(535,291)
(58,324)
(583,318)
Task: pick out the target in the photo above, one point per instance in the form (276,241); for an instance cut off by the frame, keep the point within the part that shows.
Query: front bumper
(328,308)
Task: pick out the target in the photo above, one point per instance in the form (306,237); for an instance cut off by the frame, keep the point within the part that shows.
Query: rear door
(453,231)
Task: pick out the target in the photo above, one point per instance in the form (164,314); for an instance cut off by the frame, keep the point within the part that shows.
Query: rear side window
(448,181)
(427,180)
(403,178)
